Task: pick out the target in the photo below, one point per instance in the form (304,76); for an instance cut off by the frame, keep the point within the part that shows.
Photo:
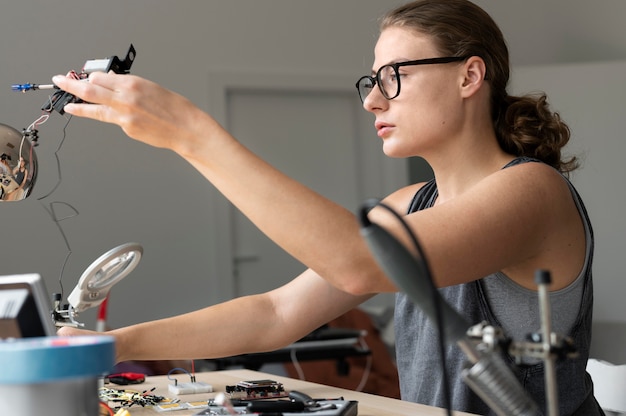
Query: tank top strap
(424,197)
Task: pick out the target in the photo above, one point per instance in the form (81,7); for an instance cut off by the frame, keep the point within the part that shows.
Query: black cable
(51,211)
(56,155)
(365,221)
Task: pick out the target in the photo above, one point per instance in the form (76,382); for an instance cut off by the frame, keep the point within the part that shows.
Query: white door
(318,135)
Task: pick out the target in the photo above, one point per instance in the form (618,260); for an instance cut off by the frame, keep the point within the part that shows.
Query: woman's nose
(375,100)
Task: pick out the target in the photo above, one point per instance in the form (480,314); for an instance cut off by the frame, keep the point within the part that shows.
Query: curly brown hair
(524,125)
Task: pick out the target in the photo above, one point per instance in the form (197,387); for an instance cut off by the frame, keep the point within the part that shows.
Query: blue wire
(180,369)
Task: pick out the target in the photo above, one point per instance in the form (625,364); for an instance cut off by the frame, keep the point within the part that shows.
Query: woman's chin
(391,149)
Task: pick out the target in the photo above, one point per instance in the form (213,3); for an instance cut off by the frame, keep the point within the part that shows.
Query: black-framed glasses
(388,78)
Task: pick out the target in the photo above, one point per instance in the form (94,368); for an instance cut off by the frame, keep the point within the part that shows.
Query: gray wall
(125,191)
(590,98)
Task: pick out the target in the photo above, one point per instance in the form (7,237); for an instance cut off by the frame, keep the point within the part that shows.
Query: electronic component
(177,405)
(320,408)
(193,387)
(274,406)
(256,389)
(120,398)
(190,388)
(28,87)
(22,146)
(112,63)
(61,98)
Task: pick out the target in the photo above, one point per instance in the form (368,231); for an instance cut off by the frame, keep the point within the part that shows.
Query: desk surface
(369,404)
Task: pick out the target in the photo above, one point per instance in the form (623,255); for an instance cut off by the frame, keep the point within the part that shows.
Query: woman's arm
(516,219)
(248,324)
(310,227)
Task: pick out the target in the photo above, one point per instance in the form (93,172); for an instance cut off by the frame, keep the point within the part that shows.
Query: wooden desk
(369,405)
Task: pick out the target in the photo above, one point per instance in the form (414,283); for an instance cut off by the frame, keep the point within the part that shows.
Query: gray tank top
(417,348)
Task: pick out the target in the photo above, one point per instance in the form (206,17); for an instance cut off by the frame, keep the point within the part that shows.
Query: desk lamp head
(97,280)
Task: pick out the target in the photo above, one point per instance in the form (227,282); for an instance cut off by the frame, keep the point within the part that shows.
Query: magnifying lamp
(97,280)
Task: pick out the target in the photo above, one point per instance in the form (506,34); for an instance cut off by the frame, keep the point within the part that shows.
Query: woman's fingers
(96,94)
(83,88)
(144,110)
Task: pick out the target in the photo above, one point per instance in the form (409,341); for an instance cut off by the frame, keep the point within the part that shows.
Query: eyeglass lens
(365,86)
(387,80)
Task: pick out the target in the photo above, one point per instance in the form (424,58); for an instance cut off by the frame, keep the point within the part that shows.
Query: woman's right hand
(143,109)
(68,331)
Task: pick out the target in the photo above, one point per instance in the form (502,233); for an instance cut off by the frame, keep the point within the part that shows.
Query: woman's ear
(474,72)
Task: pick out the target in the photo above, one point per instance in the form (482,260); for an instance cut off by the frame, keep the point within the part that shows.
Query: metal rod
(543,279)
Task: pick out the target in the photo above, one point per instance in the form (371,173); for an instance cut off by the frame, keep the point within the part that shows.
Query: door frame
(385,174)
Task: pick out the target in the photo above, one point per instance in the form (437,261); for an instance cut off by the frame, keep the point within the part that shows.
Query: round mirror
(18,165)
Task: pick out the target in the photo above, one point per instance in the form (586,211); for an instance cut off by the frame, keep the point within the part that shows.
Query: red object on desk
(126,378)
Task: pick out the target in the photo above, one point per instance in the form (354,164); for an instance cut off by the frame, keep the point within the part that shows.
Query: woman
(498,209)
(8,185)
(20,173)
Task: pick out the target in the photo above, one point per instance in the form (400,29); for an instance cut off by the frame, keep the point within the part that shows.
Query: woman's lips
(383,129)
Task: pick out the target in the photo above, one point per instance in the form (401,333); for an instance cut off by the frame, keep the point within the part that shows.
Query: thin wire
(368,367)
(296,364)
(178,369)
(52,212)
(364,377)
(51,207)
(56,155)
(31,128)
(129,398)
(193,371)
(42,119)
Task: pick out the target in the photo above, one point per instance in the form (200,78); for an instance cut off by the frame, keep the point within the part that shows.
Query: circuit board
(256,389)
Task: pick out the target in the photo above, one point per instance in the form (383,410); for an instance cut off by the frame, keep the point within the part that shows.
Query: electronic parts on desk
(194,387)
(256,389)
(319,408)
(178,405)
(118,399)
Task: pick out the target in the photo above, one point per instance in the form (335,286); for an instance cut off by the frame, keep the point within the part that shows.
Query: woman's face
(427,111)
